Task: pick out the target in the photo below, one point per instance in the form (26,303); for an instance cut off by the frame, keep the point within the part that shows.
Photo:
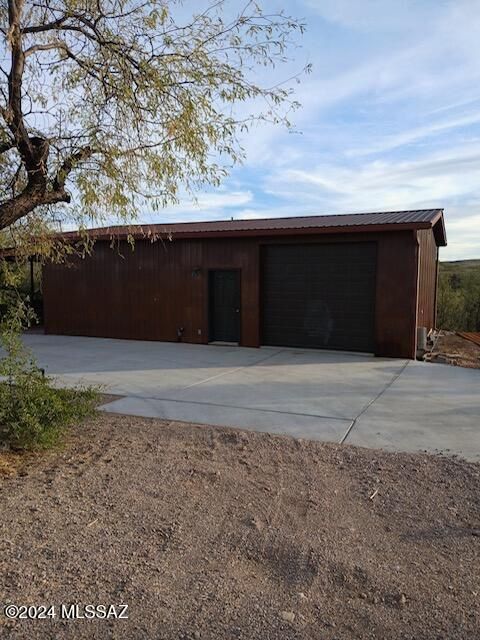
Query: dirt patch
(215,533)
(450,348)
(12,463)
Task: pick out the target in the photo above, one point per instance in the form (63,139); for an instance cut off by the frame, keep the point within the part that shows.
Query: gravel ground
(220,534)
(451,348)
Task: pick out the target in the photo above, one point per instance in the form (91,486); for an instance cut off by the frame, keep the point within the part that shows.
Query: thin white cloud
(431,179)
(410,136)
(220,199)
(210,203)
(463,235)
(371,15)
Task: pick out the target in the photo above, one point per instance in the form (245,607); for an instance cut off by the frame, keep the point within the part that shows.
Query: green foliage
(15,288)
(33,413)
(136,103)
(459,296)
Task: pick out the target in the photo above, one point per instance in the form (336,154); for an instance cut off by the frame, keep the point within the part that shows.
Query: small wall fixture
(196,272)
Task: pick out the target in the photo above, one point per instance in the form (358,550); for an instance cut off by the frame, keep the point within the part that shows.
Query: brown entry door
(224,302)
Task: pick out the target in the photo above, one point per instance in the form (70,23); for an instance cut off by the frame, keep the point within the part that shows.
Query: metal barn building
(357,282)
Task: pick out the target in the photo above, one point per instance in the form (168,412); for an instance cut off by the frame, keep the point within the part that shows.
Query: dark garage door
(319,295)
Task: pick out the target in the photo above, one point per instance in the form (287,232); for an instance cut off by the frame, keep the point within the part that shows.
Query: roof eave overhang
(438,226)
(225,233)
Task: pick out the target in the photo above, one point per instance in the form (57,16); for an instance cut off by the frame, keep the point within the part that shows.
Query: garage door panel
(319,295)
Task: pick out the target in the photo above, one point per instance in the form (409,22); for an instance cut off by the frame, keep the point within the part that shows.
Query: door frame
(210,297)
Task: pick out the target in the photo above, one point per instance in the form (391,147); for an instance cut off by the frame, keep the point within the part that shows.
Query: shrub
(459,297)
(33,413)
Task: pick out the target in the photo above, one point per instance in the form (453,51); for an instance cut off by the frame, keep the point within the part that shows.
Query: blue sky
(390,119)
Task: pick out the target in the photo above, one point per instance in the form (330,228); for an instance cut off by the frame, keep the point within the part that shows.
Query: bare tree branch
(57,44)
(68,165)
(13,114)
(41,28)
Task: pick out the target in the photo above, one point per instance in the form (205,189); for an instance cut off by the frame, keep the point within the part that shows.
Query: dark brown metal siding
(320,295)
(396,300)
(149,293)
(427,279)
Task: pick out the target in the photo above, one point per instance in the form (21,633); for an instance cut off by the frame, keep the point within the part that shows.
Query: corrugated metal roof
(419,218)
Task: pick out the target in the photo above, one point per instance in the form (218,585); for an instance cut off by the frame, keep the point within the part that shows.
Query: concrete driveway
(373,402)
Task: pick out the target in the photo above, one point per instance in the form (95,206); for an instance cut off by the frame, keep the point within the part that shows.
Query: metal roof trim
(338,223)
